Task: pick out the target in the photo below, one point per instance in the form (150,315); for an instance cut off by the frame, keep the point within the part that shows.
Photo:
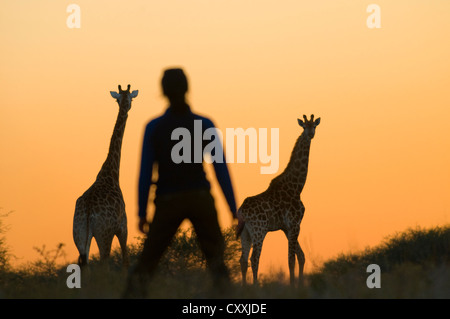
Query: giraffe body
(278,208)
(100,211)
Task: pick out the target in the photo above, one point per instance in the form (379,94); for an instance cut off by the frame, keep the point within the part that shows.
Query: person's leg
(165,224)
(203,216)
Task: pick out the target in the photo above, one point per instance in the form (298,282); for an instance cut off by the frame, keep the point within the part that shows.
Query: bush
(414,264)
(4,249)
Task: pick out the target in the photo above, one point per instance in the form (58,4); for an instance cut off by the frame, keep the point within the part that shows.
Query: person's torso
(178,151)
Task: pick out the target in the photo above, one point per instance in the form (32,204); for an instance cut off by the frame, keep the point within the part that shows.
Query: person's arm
(223,176)
(145,176)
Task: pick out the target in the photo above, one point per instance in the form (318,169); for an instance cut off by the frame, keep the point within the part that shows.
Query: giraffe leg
(246,244)
(104,246)
(301,261)
(256,253)
(291,261)
(296,250)
(293,251)
(257,239)
(122,236)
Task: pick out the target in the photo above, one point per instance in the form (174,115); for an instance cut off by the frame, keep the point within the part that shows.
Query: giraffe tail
(81,233)
(82,260)
(241,224)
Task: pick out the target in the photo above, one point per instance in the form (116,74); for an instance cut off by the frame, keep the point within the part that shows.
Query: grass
(414,264)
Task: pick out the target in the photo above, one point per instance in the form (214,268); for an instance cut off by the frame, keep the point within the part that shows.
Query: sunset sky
(380,160)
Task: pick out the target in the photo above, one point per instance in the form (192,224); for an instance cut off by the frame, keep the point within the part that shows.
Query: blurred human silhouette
(182,189)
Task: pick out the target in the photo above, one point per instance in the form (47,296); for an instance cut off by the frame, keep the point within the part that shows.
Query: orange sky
(379,162)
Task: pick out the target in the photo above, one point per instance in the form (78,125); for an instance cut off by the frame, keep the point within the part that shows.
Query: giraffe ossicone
(278,208)
(100,211)
(117,95)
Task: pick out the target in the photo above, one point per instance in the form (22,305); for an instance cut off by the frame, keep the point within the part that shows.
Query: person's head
(174,84)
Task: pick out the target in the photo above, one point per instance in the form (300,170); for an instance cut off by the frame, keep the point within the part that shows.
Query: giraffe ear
(300,122)
(114,94)
(317,122)
(134,94)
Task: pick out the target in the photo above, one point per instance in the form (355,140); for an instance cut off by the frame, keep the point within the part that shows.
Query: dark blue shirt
(173,177)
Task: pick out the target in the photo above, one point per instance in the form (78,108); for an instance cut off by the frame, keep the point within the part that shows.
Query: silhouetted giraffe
(278,208)
(100,211)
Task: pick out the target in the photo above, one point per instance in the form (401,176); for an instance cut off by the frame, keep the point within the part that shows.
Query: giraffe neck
(111,166)
(293,177)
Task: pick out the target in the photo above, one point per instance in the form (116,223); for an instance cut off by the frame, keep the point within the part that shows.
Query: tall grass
(414,264)
(4,249)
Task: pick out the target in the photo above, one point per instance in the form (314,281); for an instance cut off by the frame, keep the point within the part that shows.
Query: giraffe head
(309,126)
(124,97)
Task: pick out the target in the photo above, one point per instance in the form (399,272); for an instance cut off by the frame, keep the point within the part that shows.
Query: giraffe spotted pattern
(278,208)
(100,211)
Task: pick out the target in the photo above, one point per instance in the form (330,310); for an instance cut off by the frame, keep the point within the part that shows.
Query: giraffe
(278,208)
(100,211)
